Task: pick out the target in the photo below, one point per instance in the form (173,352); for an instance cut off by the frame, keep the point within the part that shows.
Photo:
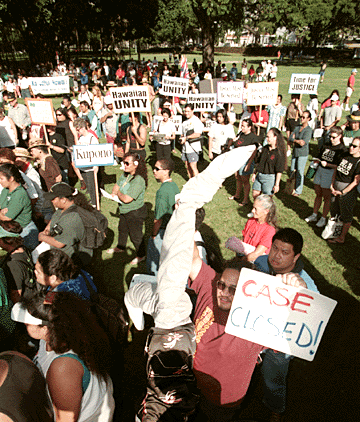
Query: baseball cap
(334,97)
(354,71)
(21,314)
(107,100)
(60,190)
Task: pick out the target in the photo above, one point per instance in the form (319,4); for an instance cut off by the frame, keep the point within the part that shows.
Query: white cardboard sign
(202,102)
(262,93)
(174,87)
(93,155)
(128,99)
(301,83)
(176,119)
(230,92)
(50,85)
(41,111)
(284,318)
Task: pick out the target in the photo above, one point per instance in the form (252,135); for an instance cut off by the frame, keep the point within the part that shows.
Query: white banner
(230,92)
(202,102)
(93,155)
(301,83)
(130,98)
(41,111)
(176,119)
(262,93)
(174,87)
(284,318)
(50,85)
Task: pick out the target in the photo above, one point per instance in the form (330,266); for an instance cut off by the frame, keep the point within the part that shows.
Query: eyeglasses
(157,169)
(354,146)
(59,114)
(222,286)
(126,163)
(334,136)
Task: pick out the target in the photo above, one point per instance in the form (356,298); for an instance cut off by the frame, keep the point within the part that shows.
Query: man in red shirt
(349,90)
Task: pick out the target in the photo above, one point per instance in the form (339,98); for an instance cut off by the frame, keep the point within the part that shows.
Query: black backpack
(95,224)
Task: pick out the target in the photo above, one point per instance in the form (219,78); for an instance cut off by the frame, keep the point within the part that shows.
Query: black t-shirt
(16,270)
(246,140)
(332,154)
(64,129)
(61,158)
(347,169)
(271,161)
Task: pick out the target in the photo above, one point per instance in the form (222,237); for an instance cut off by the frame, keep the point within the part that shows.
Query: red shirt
(223,363)
(263,119)
(351,81)
(327,103)
(256,234)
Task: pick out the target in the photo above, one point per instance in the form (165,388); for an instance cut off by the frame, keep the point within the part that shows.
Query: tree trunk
(208,43)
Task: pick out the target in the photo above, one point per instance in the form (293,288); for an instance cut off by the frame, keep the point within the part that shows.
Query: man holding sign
(284,261)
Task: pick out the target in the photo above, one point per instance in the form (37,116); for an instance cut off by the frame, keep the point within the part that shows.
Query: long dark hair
(141,169)
(64,112)
(72,326)
(280,144)
(224,114)
(58,263)
(10,170)
(11,243)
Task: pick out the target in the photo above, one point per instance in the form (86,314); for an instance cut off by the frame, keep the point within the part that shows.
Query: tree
(214,16)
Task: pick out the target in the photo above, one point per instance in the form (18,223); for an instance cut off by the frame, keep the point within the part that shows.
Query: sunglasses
(59,114)
(334,136)
(222,286)
(354,146)
(126,163)
(157,169)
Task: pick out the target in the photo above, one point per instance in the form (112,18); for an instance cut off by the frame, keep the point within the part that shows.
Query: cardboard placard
(203,102)
(50,85)
(128,99)
(262,93)
(230,92)
(176,119)
(301,83)
(284,318)
(93,155)
(41,111)
(174,87)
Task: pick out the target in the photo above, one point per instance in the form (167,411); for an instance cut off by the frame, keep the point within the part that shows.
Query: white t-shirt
(192,125)
(220,134)
(168,129)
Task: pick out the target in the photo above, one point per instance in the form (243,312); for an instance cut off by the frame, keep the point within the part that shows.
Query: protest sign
(176,119)
(50,85)
(41,111)
(284,318)
(93,155)
(301,83)
(207,86)
(128,99)
(202,102)
(174,87)
(230,92)
(262,93)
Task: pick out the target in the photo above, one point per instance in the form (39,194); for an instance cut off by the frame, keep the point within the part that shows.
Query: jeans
(30,234)
(299,164)
(153,253)
(274,371)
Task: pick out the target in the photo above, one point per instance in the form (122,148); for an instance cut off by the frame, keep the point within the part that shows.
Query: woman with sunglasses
(74,355)
(328,159)
(343,188)
(130,189)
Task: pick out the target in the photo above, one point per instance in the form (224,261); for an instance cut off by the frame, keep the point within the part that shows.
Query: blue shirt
(77,286)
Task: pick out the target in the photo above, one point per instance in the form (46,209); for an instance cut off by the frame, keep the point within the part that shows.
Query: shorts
(242,171)
(190,157)
(323,177)
(291,124)
(349,91)
(264,183)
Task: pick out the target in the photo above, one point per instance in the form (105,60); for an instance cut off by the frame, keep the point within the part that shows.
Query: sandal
(244,204)
(336,240)
(114,250)
(233,198)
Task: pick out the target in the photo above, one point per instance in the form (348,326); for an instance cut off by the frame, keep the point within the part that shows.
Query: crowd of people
(46,283)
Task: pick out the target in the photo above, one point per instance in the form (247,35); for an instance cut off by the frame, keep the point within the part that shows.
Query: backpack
(95,224)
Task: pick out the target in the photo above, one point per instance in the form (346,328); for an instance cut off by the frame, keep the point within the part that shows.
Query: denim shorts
(264,183)
(191,157)
(323,177)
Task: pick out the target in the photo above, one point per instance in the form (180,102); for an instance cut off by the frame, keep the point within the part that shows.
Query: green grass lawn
(321,386)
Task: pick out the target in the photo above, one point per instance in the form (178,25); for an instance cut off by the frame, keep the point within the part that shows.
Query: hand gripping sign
(287,319)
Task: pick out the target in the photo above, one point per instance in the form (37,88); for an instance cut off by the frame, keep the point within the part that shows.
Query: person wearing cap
(66,230)
(19,114)
(352,127)
(48,168)
(74,355)
(329,119)
(110,120)
(349,90)
(15,204)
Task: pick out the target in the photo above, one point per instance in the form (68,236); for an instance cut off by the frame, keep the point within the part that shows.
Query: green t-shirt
(165,201)
(133,186)
(351,134)
(18,204)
